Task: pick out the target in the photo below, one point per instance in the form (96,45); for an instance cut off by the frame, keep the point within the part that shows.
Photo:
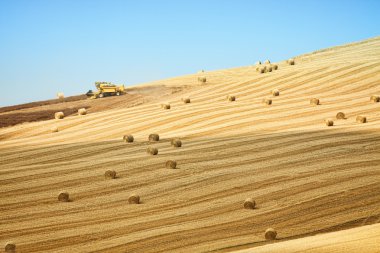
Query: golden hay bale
(10,247)
(202,79)
(171,164)
(54,129)
(291,61)
(275,92)
(60,95)
(340,115)
(152,151)
(82,111)
(261,70)
(268,69)
(270,234)
(361,119)
(314,101)
(275,66)
(176,143)
(329,122)
(258,63)
(186,100)
(63,197)
(231,98)
(128,138)
(166,106)
(134,199)
(110,174)
(267,101)
(59,115)
(249,203)
(267,62)
(154,137)
(375,98)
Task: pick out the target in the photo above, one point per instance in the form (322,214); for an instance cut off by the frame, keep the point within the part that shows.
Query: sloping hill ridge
(305,177)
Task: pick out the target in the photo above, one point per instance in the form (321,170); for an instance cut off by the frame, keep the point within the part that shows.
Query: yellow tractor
(105,89)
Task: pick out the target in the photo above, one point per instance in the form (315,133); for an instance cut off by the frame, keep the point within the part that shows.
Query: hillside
(306,178)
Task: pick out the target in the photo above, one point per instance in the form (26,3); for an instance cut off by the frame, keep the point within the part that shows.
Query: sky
(50,46)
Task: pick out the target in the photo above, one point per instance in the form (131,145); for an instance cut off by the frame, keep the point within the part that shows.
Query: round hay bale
(314,101)
(10,247)
(128,138)
(267,101)
(54,129)
(110,174)
(340,115)
(63,197)
(202,79)
(361,119)
(59,115)
(258,63)
(154,137)
(176,143)
(249,203)
(231,98)
(166,106)
(275,92)
(186,100)
(171,164)
(60,95)
(134,199)
(375,98)
(275,67)
(270,234)
(152,151)
(268,69)
(82,111)
(267,62)
(261,70)
(329,122)
(291,61)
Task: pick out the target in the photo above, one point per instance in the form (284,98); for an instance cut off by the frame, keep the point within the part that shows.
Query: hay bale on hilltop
(54,129)
(60,95)
(10,247)
(110,174)
(267,62)
(275,92)
(268,69)
(340,115)
(275,66)
(267,101)
(329,122)
(128,138)
(361,119)
(82,111)
(375,99)
(202,79)
(152,151)
(186,100)
(171,164)
(154,137)
(176,143)
(231,98)
(270,234)
(291,61)
(314,101)
(261,70)
(63,197)
(166,106)
(249,203)
(134,199)
(59,115)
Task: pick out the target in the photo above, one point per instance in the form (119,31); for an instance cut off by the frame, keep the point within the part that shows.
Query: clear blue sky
(48,46)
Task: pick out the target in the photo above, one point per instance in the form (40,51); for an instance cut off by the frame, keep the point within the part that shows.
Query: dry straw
(249,203)
(54,129)
(59,115)
(82,111)
(152,151)
(63,197)
(128,138)
(166,106)
(314,101)
(270,234)
(375,99)
(340,115)
(361,119)
(110,174)
(186,100)
(329,122)
(267,101)
(60,95)
(275,92)
(134,199)
(10,247)
(154,137)
(291,61)
(176,143)
(231,98)
(171,164)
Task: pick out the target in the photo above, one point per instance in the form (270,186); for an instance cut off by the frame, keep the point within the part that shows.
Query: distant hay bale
(267,62)
(258,63)
(231,98)
(154,137)
(267,101)
(171,164)
(361,119)
(82,111)
(291,61)
(59,115)
(314,101)
(375,98)
(63,197)
(110,174)
(340,115)
(10,247)
(134,199)
(60,95)
(166,106)
(249,203)
(268,69)
(152,151)
(270,234)
(275,92)
(128,138)
(202,79)
(54,129)
(275,66)
(186,100)
(329,122)
(176,143)
(261,70)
